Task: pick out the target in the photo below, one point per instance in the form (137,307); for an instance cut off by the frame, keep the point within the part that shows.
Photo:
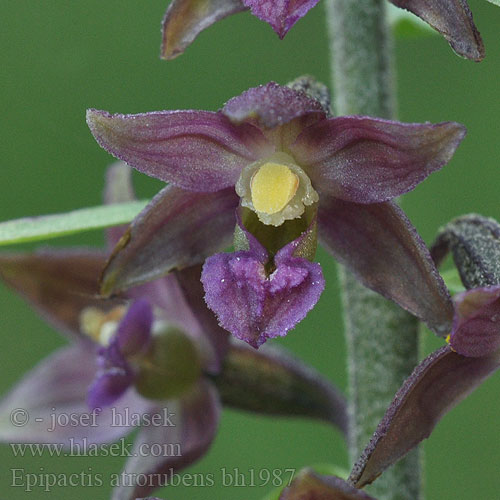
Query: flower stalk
(382,339)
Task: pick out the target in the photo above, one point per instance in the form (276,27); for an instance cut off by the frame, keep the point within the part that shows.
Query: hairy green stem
(382,339)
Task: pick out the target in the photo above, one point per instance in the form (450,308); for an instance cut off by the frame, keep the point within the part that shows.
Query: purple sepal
(436,385)
(476,325)
(108,387)
(272,105)
(453,19)
(281,15)
(134,331)
(253,305)
(186,19)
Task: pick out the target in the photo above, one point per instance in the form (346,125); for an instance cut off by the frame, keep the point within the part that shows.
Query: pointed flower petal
(254,306)
(270,381)
(195,420)
(177,229)
(272,105)
(368,160)
(280,14)
(186,19)
(58,283)
(476,326)
(311,486)
(196,150)
(453,19)
(58,387)
(380,245)
(438,384)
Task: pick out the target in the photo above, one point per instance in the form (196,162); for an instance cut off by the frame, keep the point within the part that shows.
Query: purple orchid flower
(148,358)
(296,173)
(185,19)
(438,383)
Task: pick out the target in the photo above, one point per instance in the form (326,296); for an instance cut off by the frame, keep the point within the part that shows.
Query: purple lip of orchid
(185,19)
(289,163)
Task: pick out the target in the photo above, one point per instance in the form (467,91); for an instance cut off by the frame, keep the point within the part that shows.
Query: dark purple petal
(476,326)
(280,14)
(195,150)
(57,387)
(59,284)
(311,486)
(177,229)
(254,306)
(453,19)
(380,245)
(437,385)
(272,382)
(195,422)
(108,387)
(134,331)
(118,189)
(180,299)
(186,19)
(368,160)
(272,105)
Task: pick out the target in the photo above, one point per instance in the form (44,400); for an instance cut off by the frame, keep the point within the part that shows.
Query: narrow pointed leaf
(406,25)
(437,385)
(272,382)
(52,226)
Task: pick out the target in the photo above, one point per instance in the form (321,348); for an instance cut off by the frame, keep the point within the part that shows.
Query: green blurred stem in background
(382,339)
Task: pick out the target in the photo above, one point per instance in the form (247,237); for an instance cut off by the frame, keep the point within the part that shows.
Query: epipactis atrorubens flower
(290,173)
(148,358)
(185,19)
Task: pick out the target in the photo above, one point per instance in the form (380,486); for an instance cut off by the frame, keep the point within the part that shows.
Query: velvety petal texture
(58,283)
(271,381)
(58,386)
(311,486)
(453,19)
(476,326)
(368,160)
(177,229)
(186,19)
(438,384)
(196,150)
(272,105)
(255,305)
(280,14)
(380,245)
(195,420)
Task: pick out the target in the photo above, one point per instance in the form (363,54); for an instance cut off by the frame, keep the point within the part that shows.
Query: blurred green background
(59,58)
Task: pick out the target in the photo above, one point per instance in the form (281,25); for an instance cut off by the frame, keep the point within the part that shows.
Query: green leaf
(453,281)
(407,25)
(84,219)
(495,2)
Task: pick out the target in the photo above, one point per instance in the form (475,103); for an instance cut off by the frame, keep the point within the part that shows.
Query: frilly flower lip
(255,303)
(185,19)
(286,158)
